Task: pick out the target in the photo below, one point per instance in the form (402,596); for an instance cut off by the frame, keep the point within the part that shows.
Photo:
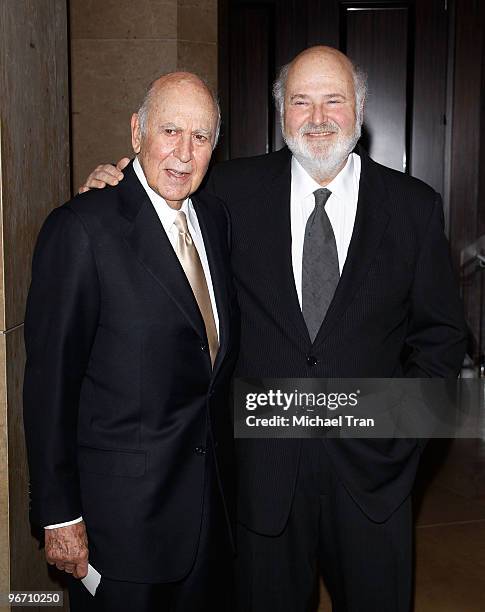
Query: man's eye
(334,101)
(200,137)
(170,131)
(300,103)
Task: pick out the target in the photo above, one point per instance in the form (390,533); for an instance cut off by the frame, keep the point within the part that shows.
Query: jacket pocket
(126,463)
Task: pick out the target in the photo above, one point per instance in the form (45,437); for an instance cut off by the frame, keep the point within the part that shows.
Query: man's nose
(183,150)
(318,114)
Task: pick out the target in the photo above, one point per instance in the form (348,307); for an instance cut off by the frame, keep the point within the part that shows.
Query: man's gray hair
(147,101)
(360,87)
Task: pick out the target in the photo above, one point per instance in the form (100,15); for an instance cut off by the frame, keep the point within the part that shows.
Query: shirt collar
(165,212)
(304,185)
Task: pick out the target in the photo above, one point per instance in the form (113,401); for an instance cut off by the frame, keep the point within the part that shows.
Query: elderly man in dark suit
(131,334)
(342,270)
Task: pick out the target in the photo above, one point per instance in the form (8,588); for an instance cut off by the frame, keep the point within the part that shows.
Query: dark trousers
(366,566)
(206,588)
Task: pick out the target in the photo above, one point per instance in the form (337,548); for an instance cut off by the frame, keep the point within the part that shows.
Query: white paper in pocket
(91,580)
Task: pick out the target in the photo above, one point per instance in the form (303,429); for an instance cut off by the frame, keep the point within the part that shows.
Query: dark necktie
(320,270)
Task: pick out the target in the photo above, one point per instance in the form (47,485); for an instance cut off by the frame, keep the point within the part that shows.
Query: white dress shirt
(341,208)
(167,215)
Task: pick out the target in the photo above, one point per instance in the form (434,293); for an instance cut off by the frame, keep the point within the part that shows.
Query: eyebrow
(202,131)
(326,96)
(302,96)
(173,126)
(169,126)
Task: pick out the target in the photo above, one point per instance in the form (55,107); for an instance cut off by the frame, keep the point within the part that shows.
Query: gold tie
(190,261)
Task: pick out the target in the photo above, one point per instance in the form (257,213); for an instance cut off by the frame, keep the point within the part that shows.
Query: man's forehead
(322,69)
(177,107)
(183,93)
(318,80)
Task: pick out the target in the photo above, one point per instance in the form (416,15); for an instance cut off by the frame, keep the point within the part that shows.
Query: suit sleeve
(60,325)
(436,338)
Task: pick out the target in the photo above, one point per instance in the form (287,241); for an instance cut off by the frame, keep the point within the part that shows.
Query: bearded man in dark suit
(342,270)
(131,335)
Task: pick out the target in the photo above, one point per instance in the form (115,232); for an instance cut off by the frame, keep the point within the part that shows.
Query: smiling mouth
(318,134)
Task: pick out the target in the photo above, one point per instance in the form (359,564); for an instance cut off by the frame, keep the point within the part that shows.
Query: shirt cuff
(66,524)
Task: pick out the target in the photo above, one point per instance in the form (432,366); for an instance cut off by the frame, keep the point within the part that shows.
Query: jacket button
(200,450)
(311,360)
(203,347)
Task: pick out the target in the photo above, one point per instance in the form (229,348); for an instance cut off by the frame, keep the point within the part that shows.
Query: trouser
(366,566)
(206,588)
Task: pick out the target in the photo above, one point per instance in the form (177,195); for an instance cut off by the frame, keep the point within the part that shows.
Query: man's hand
(105,174)
(67,549)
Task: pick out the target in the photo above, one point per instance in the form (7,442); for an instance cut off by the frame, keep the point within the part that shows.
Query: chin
(321,151)
(170,194)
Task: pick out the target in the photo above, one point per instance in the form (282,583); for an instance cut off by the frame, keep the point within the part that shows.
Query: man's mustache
(320,128)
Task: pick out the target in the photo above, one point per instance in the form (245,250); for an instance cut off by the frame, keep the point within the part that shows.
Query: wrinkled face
(320,122)
(176,149)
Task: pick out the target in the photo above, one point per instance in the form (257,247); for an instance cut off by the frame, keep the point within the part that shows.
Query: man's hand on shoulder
(105,174)
(67,549)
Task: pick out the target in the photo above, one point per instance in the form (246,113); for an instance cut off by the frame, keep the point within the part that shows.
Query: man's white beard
(322,160)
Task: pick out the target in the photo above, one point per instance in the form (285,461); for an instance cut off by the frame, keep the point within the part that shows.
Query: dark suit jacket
(396,312)
(122,406)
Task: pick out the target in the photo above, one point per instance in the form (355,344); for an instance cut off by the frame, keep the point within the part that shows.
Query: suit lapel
(218,268)
(152,248)
(370,224)
(277,238)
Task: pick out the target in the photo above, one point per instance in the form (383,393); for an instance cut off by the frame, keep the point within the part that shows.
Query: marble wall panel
(123,19)
(198,3)
(200,58)
(197,23)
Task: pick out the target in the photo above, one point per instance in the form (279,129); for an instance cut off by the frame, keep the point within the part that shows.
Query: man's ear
(135,133)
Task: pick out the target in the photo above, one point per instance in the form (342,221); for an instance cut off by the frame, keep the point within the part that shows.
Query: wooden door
(401,45)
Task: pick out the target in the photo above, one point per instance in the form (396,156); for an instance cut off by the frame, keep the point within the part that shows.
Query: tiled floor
(450,529)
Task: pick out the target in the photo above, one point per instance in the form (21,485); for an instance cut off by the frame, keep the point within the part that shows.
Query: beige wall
(34,178)
(117,48)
